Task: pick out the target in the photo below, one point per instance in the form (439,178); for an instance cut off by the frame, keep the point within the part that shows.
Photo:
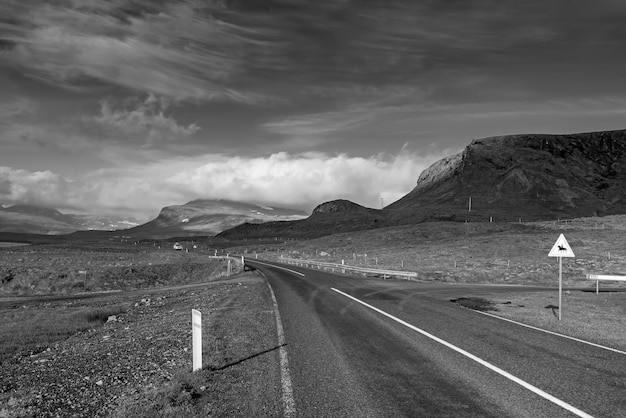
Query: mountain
(199,217)
(35,220)
(328,218)
(209,217)
(532,177)
(504,179)
(38,220)
(103,222)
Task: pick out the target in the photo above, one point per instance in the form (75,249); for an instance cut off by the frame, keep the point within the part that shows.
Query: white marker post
(561,249)
(196,335)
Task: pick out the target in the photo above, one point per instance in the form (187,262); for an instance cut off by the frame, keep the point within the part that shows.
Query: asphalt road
(349,360)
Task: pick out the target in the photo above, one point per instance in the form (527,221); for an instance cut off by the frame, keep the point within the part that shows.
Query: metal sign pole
(560,285)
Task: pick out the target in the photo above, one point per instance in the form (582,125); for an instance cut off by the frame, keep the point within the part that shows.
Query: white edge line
(552,332)
(509,376)
(279,267)
(289,403)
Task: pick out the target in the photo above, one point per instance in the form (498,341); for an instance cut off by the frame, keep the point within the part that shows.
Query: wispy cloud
(16,107)
(173,50)
(145,121)
(255,52)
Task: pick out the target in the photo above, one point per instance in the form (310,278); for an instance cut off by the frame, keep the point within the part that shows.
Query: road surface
(371,348)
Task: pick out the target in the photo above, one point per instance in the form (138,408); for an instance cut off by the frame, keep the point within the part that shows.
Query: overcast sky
(126,106)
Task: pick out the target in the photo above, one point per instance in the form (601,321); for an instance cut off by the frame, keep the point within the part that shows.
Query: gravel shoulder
(140,363)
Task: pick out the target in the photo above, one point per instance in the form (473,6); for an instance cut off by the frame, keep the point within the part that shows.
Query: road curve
(349,360)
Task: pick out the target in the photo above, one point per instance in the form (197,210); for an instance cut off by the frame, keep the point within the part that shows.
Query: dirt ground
(139,364)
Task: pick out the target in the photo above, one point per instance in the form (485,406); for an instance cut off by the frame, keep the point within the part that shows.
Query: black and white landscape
(398,208)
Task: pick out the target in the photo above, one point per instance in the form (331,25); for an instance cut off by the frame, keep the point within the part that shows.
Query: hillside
(209,217)
(532,177)
(328,218)
(506,178)
(35,220)
(27,219)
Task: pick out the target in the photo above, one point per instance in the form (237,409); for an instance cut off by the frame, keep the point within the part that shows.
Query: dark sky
(131,105)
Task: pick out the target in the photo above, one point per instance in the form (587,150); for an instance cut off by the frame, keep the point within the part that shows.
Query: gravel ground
(124,363)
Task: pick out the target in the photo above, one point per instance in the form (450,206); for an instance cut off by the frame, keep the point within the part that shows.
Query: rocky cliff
(528,177)
(504,179)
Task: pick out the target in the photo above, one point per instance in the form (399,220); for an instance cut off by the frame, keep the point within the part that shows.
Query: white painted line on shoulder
(490,366)
(282,268)
(289,403)
(553,333)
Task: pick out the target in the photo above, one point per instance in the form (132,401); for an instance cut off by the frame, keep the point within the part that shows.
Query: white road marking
(552,332)
(282,268)
(289,403)
(501,372)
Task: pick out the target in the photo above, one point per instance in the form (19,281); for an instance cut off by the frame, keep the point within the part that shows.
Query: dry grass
(472,252)
(596,318)
(239,344)
(27,331)
(61,269)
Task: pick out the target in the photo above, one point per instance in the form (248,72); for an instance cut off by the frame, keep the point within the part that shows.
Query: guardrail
(229,258)
(409,275)
(598,277)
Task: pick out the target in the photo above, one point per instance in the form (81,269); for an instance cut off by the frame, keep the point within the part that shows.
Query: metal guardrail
(345,267)
(598,277)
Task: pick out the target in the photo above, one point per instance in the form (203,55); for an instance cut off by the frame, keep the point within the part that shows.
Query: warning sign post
(561,249)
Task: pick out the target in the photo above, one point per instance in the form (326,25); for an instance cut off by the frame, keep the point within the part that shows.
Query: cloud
(42,188)
(172,50)
(145,122)
(281,179)
(361,106)
(17,107)
(275,51)
(305,180)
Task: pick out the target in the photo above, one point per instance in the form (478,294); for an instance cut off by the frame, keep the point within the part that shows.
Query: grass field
(596,318)
(241,325)
(471,253)
(28,331)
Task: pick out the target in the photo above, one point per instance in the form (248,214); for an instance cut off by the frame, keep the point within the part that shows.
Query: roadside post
(561,249)
(196,336)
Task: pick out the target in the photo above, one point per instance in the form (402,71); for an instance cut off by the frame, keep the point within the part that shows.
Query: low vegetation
(26,330)
(598,318)
(148,344)
(139,364)
(67,269)
(449,252)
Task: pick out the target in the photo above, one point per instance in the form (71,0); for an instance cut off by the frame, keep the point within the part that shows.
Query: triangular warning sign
(561,248)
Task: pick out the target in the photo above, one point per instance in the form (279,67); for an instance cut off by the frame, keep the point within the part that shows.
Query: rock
(112,318)
(99,383)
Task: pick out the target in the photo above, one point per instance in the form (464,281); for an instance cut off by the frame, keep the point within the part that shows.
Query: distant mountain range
(209,217)
(46,221)
(502,179)
(199,217)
